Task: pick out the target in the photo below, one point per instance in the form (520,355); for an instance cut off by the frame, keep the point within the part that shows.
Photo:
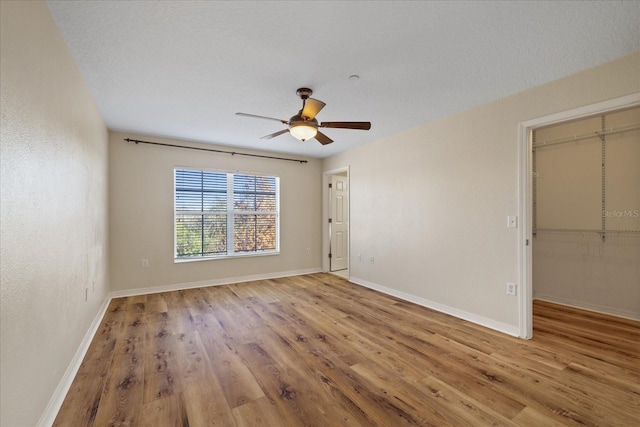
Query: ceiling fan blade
(273,135)
(286,122)
(323,139)
(346,125)
(311,108)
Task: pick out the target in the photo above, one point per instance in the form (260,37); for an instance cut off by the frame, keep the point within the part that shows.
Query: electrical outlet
(372,260)
(145,263)
(512,288)
(308,251)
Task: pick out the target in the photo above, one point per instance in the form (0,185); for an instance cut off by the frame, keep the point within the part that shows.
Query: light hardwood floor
(317,350)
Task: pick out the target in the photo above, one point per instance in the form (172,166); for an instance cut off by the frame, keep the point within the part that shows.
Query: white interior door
(339,222)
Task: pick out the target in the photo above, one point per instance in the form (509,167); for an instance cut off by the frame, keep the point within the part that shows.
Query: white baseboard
(55,403)
(461,314)
(205,283)
(588,306)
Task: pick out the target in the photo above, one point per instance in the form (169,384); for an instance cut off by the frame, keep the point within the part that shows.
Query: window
(220,214)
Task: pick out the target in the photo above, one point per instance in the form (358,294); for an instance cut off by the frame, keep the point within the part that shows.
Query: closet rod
(233,153)
(610,131)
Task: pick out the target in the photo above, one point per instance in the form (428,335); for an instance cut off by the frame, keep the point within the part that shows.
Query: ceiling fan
(304,125)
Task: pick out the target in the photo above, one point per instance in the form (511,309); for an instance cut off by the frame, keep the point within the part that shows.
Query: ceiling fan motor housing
(299,119)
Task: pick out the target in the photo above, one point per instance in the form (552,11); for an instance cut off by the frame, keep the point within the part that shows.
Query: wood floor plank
(316,350)
(470,411)
(199,304)
(344,387)
(254,355)
(371,406)
(122,398)
(430,359)
(205,405)
(624,384)
(335,339)
(584,354)
(204,400)
(237,382)
(303,382)
(531,417)
(534,390)
(86,390)
(435,406)
(619,350)
(260,412)
(155,304)
(281,389)
(179,317)
(160,366)
(578,379)
(260,289)
(169,411)
(137,299)
(238,323)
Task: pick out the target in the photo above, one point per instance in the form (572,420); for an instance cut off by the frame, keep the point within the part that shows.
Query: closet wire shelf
(582,231)
(602,133)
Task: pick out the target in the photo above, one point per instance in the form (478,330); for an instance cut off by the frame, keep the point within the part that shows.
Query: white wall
(141,214)
(53,190)
(431,203)
(580,269)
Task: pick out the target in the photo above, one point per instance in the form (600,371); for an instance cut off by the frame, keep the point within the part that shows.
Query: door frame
(326,179)
(525,197)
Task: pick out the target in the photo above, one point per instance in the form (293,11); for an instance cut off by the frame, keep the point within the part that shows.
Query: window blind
(225,214)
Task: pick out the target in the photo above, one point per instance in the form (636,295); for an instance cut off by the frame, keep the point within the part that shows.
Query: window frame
(230,213)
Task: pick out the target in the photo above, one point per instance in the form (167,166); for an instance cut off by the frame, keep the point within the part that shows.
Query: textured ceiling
(183,68)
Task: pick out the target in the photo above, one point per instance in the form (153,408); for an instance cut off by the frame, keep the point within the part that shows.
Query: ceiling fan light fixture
(303,131)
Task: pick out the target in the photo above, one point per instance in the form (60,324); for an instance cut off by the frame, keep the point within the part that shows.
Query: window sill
(217,257)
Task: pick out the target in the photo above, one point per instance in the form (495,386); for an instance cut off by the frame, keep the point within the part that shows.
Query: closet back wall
(141,203)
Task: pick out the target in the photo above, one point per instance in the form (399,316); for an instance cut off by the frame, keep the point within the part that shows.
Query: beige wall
(53,210)
(581,269)
(141,215)
(431,204)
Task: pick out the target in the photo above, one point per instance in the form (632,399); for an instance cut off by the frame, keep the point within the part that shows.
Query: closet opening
(580,204)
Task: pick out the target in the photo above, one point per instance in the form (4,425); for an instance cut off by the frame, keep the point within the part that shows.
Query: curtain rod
(233,153)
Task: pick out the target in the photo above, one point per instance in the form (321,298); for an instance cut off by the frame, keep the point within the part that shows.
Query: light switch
(512,221)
